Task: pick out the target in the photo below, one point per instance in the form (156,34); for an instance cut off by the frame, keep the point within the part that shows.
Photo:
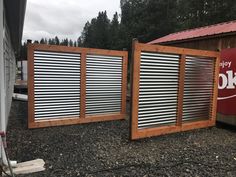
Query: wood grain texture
(83,85)
(30,82)
(181,90)
(32,123)
(180,126)
(124,83)
(215,89)
(176,50)
(76,120)
(157,131)
(135,89)
(59,48)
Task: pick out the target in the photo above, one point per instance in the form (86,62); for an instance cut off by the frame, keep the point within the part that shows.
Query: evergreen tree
(147,20)
(80,41)
(115,42)
(204,12)
(96,33)
(42,41)
(49,41)
(57,41)
(71,43)
(64,42)
(75,44)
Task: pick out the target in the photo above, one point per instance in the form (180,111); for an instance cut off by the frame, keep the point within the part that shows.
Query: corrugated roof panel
(211,30)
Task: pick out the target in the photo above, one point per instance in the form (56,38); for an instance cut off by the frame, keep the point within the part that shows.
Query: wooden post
(215,90)
(181,90)
(83,84)
(124,84)
(135,65)
(30,83)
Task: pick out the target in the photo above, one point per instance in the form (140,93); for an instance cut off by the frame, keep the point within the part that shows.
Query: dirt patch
(104,149)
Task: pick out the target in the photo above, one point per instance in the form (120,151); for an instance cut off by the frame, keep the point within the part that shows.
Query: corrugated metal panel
(103,84)
(198,88)
(158,89)
(56,85)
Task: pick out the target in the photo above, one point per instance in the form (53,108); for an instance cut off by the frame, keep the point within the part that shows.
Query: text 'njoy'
(228,79)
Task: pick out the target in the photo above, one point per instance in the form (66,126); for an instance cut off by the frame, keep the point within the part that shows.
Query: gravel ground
(104,149)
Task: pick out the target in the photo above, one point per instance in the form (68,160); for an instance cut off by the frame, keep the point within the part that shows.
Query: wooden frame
(179,126)
(32,123)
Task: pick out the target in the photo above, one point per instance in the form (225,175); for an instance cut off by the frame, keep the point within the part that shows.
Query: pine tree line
(147,20)
(57,41)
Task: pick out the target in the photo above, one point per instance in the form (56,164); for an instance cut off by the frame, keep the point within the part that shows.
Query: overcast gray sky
(64,18)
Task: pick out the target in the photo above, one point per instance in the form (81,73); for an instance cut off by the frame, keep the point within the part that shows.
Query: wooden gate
(72,85)
(173,89)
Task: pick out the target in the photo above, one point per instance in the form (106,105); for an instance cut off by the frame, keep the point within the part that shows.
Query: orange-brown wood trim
(180,126)
(149,132)
(181,90)
(131,88)
(75,120)
(124,83)
(83,85)
(30,83)
(176,50)
(59,48)
(106,52)
(135,89)
(82,118)
(215,88)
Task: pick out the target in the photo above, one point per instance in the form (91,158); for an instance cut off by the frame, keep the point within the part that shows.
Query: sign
(227,83)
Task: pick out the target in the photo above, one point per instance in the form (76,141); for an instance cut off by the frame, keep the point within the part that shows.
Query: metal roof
(206,31)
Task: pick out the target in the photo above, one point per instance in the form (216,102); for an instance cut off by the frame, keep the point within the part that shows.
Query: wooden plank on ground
(32,166)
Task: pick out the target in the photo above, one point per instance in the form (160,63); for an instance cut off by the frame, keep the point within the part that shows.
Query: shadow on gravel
(104,149)
(226,126)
